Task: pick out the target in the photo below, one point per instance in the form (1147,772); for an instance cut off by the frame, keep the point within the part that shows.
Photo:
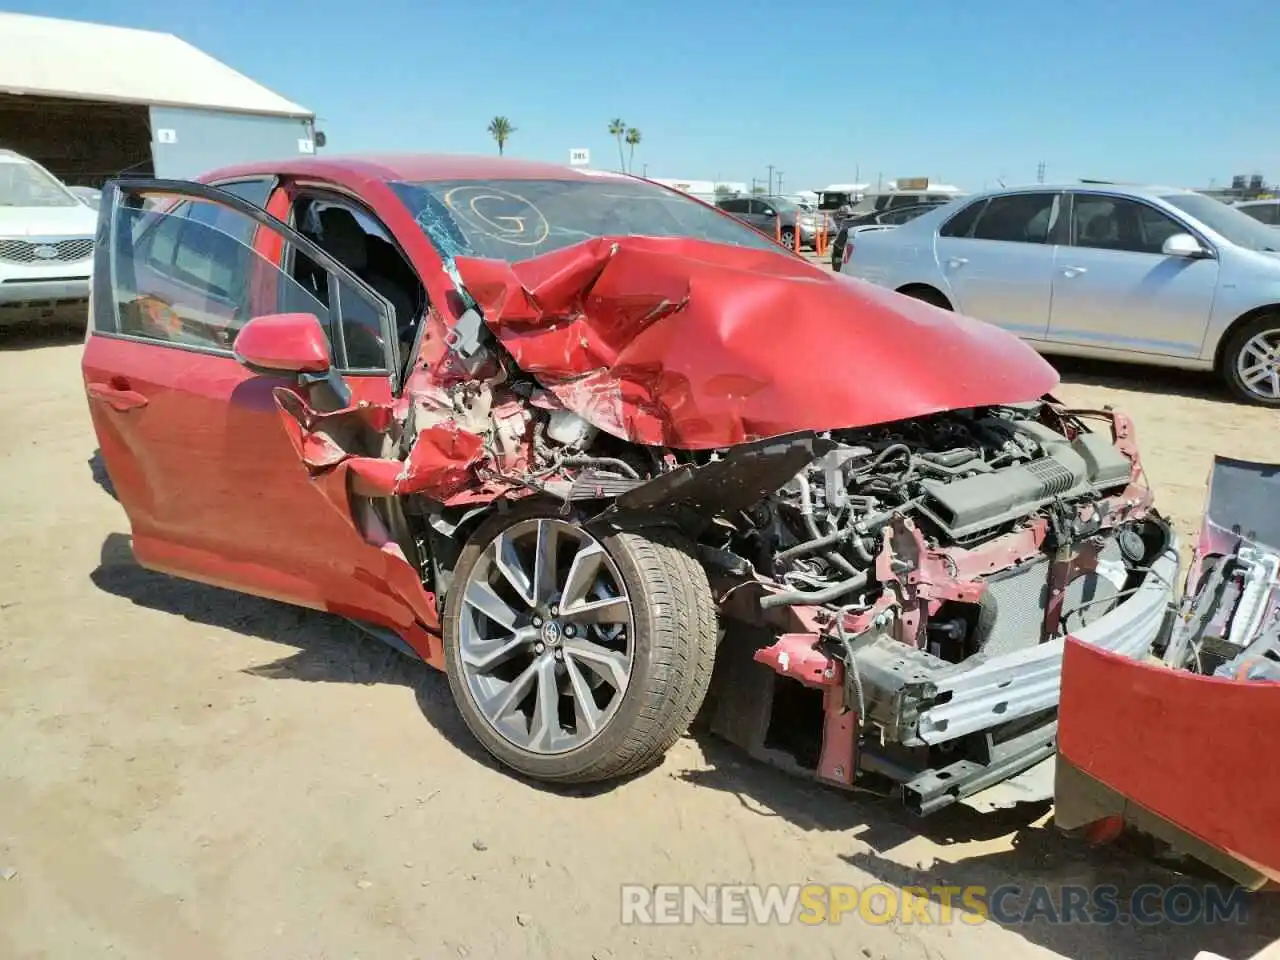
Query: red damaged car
(578,439)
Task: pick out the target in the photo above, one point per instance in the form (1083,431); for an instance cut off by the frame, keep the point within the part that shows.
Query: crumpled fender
(683,343)
(441,463)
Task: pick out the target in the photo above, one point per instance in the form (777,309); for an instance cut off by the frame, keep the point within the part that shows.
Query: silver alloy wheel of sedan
(546,636)
(1258,365)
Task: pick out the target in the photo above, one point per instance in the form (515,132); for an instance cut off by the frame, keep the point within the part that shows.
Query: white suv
(46,245)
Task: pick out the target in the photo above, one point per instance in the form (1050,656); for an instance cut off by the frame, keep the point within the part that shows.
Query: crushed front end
(916,582)
(895,555)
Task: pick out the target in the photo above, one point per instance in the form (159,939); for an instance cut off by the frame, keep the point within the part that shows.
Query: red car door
(192,440)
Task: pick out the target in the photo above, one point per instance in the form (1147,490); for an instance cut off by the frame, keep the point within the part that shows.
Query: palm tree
(633,140)
(618,129)
(500,129)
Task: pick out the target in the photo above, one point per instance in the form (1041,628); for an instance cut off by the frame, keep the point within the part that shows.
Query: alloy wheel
(546,636)
(1258,365)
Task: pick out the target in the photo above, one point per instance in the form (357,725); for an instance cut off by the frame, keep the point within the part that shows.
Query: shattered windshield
(23,184)
(515,220)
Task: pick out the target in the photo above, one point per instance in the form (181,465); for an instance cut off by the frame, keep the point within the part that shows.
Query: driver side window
(357,240)
(188,274)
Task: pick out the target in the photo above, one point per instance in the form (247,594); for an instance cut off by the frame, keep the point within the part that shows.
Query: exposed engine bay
(895,557)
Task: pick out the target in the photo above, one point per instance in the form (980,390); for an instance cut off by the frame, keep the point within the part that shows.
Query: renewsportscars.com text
(1007,905)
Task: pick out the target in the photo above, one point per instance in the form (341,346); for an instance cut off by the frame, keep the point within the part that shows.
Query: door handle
(117,397)
(1074,271)
(954,262)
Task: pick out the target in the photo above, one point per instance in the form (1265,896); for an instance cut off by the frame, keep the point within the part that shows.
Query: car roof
(1257,203)
(1144,191)
(412,167)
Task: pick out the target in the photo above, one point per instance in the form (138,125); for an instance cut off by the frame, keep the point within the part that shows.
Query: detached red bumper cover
(1186,757)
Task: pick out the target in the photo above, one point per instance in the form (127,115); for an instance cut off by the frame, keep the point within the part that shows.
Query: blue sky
(1176,92)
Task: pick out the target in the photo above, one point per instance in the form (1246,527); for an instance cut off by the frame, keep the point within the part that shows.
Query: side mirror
(769,212)
(283,343)
(1183,245)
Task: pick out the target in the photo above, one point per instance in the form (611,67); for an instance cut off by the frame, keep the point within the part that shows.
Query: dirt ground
(189,773)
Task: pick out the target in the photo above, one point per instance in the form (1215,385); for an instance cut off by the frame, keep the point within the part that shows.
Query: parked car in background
(874,203)
(1264,211)
(874,221)
(765,212)
(46,245)
(1146,274)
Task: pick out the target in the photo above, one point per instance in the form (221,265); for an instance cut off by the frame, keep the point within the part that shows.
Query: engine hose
(612,462)
(851,663)
(812,546)
(791,598)
(862,550)
(806,511)
(884,455)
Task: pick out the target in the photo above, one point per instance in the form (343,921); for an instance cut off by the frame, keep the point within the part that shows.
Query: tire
(1245,349)
(927,295)
(671,646)
(789,238)
(837,252)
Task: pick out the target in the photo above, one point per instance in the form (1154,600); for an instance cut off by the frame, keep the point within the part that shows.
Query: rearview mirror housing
(283,343)
(1184,245)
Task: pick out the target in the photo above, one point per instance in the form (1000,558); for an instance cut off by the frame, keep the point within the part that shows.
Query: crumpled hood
(696,345)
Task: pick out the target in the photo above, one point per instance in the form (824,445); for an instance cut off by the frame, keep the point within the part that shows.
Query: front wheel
(1251,361)
(575,656)
(789,238)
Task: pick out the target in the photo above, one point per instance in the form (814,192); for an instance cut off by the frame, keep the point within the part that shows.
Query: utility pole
(644,171)
(1040,173)
(779,182)
(771,179)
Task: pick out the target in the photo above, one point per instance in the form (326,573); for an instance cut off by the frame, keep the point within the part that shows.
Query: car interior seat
(342,236)
(1098,231)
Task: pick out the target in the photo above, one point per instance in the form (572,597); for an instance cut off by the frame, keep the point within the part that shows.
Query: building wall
(188,142)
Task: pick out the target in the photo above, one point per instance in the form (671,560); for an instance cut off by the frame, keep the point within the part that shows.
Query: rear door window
(1018,218)
(962,223)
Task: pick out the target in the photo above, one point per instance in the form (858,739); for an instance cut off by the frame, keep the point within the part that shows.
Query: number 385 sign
(580,157)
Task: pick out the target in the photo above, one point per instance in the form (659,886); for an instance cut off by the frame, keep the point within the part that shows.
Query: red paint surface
(215,492)
(696,345)
(284,341)
(1195,750)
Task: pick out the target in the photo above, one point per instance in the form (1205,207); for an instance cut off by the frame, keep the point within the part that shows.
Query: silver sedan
(1146,274)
